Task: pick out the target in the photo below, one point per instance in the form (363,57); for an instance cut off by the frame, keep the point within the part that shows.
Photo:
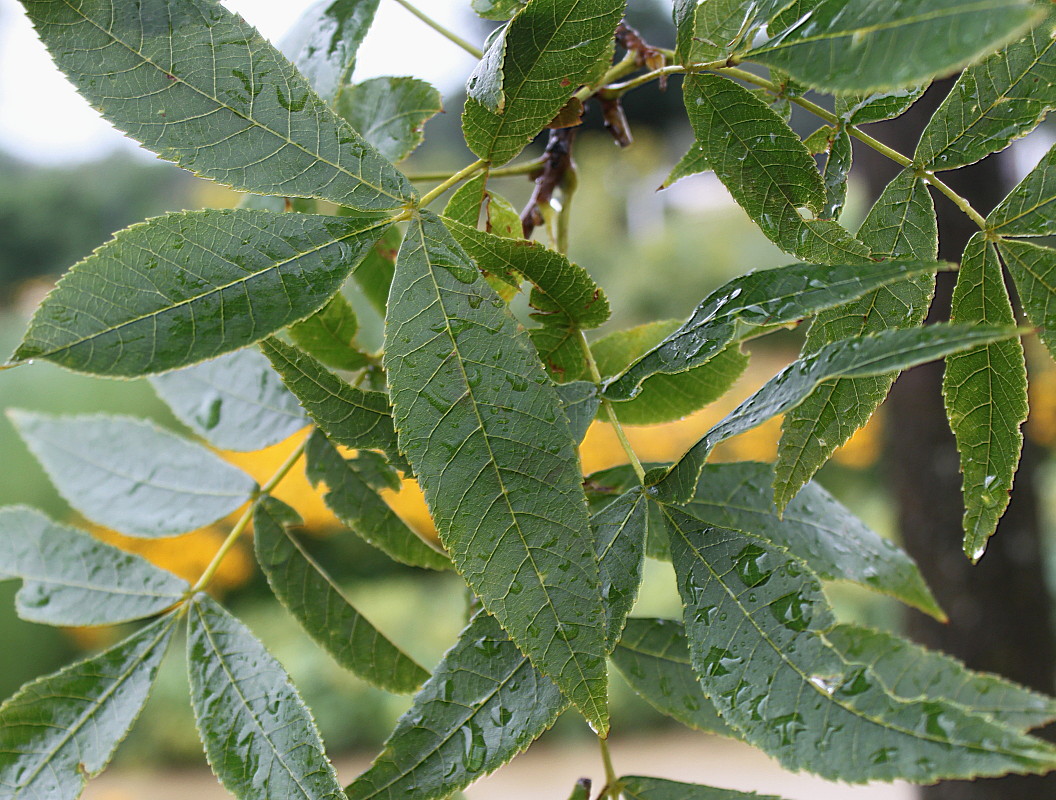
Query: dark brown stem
(556,165)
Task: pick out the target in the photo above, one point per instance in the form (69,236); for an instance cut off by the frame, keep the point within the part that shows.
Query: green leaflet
(484,704)
(374,273)
(551,47)
(901,224)
(756,620)
(1030,208)
(653,656)
(234,402)
(663,398)
(693,162)
(877,354)
(71,578)
(862,46)
(322,44)
(908,670)
(619,535)
(710,30)
(259,737)
(859,109)
(638,787)
(185,287)
(986,396)
(329,335)
(834,174)
(484,84)
(767,170)
(1033,269)
(482,426)
(348,415)
(132,476)
(750,303)
(497,9)
(157,68)
(499,216)
(60,730)
(390,113)
(316,602)
(564,298)
(353,497)
(581,401)
(993,102)
(813,527)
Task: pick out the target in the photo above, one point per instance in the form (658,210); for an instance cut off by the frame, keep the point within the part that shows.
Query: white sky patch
(43,119)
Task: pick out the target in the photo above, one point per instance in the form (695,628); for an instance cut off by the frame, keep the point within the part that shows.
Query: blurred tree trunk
(1000,610)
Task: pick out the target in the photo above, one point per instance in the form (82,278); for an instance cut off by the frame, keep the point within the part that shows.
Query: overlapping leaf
(901,224)
(619,536)
(653,656)
(497,9)
(329,335)
(348,415)
(60,730)
(581,401)
(259,736)
(132,476)
(859,109)
(1030,208)
(390,113)
(190,286)
(986,396)
(710,30)
(756,620)
(993,102)
(878,354)
(317,603)
(834,174)
(323,43)
(638,787)
(753,302)
(199,86)
(1034,270)
(483,428)
(767,170)
(354,484)
(662,397)
(499,216)
(813,527)
(374,273)
(235,402)
(71,578)
(908,670)
(551,47)
(862,46)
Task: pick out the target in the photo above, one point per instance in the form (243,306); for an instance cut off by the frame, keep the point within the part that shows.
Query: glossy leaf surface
(185,287)
(908,671)
(1030,208)
(353,486)
(619,536)
(878,354)
(752,302)
(814,527)
(156,69)
(234,402)
(710,30)
(259,736)
(132,476)
(482,426)
(901,224)
(317,603)
(62,729)
(653,656)
(756,619)
(859,109)
(71,578)
(551,47)
(329,335)
(390,113)
(985,390)
(767,169)
(1034,270)
(862,46)
(993,102)
(638,787)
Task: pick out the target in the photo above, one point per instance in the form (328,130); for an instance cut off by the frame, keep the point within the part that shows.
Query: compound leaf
(199,86)
(316,602)
(483,428)
(234,402)
(132,476)
(551,47)
(986,396)
(390,113)
(185,287)
(72,578)
(860,46)
(259,737)
(62,729)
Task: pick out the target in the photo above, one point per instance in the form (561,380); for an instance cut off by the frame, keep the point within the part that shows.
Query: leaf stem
(473,50)
(246,518)
(612,783)
(458,177)
(626,66)
(525,168)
